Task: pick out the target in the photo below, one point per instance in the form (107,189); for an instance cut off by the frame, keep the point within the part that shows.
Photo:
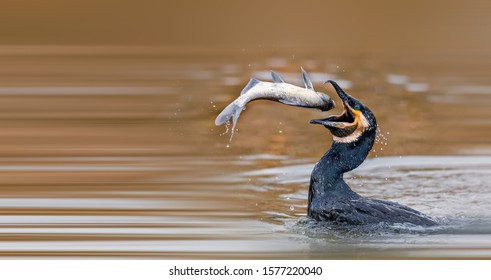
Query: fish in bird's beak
(352,122)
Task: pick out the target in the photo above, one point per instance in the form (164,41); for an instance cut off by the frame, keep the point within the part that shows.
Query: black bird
(330,198)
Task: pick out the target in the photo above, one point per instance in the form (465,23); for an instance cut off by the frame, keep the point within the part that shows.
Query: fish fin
(232,110)
(252,82)
(276,77)
(306,80)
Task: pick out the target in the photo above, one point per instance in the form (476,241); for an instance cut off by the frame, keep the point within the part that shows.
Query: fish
(278,90)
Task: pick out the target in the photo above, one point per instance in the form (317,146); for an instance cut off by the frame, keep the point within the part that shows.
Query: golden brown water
(108,146)
(114,152)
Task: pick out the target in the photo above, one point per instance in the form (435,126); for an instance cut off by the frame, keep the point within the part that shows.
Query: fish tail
(232,110)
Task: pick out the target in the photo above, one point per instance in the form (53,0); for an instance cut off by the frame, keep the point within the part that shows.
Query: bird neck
(344,157)
(327,181)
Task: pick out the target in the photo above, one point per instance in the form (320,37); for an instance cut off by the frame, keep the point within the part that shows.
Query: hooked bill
(278,91)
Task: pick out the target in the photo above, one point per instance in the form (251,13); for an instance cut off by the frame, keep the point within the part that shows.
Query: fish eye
(357,107)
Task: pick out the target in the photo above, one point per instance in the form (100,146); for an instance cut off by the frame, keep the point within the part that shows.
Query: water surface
(115,154)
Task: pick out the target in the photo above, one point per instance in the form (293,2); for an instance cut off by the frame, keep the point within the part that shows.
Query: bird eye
(357,107)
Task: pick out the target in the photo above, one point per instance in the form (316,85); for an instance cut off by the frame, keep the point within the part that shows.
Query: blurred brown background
(108,145)
(363,26)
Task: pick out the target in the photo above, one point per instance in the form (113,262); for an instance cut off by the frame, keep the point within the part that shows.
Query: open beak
(347,121)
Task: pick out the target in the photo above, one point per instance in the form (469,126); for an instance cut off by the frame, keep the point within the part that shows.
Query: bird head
(355,120)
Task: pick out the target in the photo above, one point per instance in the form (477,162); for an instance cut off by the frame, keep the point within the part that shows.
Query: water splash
(381,139)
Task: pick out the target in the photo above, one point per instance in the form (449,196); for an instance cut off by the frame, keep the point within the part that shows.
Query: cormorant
(330,198)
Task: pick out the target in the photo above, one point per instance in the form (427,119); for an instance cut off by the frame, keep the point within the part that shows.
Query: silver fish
(278,91)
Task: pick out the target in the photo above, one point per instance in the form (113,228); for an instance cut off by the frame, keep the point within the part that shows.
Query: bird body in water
(330,198)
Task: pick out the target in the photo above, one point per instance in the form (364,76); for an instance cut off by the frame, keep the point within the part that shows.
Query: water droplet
(281,131)
(228,146)
(292,208)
